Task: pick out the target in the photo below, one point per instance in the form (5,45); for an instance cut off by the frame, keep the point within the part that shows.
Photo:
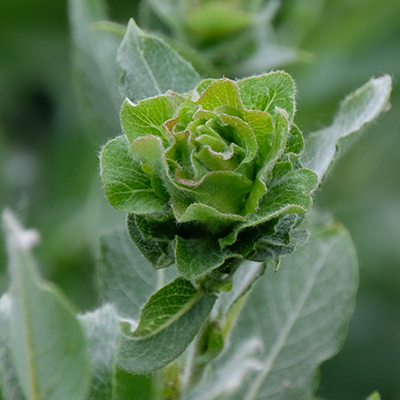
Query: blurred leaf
(323,147)
(47,343)
(243,279)
(171,318)
(96,69)
(129,387)
(374,396)
(300,313)
(227,379)
(151,67)
(10,387)
(170,12)
(127,279)
(213,20)
(102,333)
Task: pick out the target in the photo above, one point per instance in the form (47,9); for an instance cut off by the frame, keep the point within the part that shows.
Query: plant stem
(194,369)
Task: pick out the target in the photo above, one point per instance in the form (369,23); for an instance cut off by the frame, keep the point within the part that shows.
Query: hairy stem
(194,369)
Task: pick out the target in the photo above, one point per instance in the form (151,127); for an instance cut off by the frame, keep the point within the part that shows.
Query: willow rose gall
(212,175)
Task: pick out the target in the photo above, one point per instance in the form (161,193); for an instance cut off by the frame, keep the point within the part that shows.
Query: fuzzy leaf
(102,333)
(300,313)
(222,92)
(96,69)
(165,306)
(214,219)
(170,320)
(47,343)
(225,191)
(287,192)
(195,257)
(125,184)
(274,150)
(242,281)
(160,255)
(361,107)
(227,379)
(148,116)
(10,387)
(295,142)
(127,279)
(151,67)
(265,92)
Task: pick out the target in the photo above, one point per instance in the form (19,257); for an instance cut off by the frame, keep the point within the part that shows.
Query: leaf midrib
(283,336)
(197,297)
(28,335)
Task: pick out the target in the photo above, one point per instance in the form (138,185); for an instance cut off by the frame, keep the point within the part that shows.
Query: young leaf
(168,323)
(280,93)
(47,342)
(166,306)
(361,107)
(125,184)
(127,279)
(102,333)
(300,313)
(96,69)
(151,67)
(10,387)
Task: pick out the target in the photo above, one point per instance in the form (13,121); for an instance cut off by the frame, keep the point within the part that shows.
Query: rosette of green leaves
(211,176)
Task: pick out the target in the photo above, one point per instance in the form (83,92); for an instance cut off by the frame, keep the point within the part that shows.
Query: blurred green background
(49,155)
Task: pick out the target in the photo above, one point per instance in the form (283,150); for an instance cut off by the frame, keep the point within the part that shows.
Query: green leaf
(225,191)
(358,109)
(374,396)
(127,279)
(213,20)
(242,281)
(47,342)
(10,387)
(287,193)
(129,387)
(159,254)
(195,257)
(170,13)
(228,378)
(148,116)
(222,92)
(168,324)
(273,150)
(125,184)
(212,218)
(166,306)
(265,92)
(151,67)
(295,142)
(95,66)
(102,333)
(300,313)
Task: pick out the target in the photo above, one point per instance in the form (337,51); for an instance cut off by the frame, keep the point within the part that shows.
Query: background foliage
(49,164)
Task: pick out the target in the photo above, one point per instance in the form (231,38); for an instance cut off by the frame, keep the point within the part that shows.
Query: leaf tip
(17,236)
